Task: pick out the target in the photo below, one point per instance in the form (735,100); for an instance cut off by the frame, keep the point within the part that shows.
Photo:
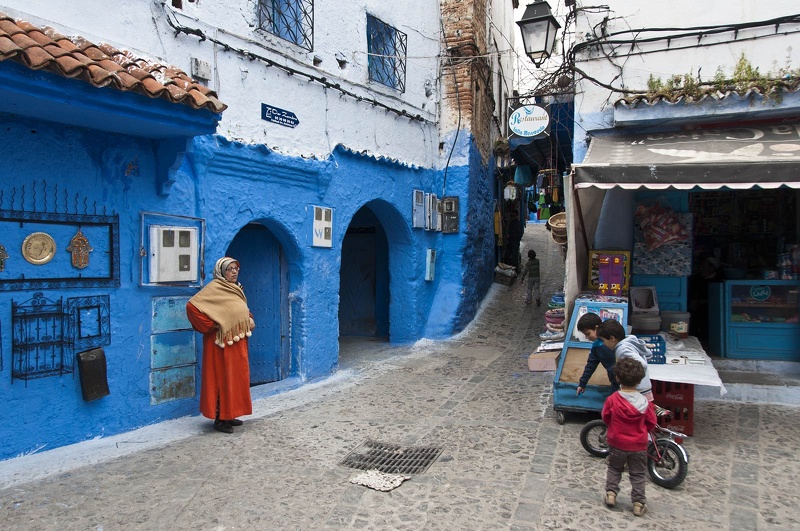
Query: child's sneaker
(639,509)
(610,498)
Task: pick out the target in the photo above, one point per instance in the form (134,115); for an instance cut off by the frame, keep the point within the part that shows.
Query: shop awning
(745,157)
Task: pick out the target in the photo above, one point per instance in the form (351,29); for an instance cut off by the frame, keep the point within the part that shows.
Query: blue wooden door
(357,284)
(262,276)
(364,278)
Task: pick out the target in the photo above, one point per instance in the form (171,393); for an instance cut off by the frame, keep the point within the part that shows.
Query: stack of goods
(554,318)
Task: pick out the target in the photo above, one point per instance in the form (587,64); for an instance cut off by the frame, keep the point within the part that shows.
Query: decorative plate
(39,248)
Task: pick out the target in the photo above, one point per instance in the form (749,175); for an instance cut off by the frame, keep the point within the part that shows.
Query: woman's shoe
(223,426)
(235,422)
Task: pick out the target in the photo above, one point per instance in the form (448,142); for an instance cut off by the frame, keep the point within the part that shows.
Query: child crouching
(629,417)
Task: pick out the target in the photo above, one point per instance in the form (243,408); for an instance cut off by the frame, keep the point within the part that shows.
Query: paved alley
(505,462)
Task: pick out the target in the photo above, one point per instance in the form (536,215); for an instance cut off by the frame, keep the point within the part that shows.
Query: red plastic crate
(678,398)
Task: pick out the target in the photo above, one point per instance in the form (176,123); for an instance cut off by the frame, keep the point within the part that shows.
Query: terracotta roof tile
(100,64)
(36,57)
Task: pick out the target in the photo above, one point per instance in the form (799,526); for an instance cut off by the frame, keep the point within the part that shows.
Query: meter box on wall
(432,212)
(323,227)
(450,214)
(430,264)
(418,209)
(173,254)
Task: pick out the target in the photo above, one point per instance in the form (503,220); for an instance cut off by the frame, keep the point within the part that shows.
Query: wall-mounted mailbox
(93,373)
(450,214)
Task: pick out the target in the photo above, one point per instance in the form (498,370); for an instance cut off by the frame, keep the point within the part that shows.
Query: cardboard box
(543,361)
(504,279)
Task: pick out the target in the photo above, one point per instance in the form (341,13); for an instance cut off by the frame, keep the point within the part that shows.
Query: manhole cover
(392,458)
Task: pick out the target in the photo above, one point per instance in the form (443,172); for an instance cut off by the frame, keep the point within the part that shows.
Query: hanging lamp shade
(539,28)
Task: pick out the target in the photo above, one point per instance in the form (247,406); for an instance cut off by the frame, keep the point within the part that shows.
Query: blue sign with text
(278,116)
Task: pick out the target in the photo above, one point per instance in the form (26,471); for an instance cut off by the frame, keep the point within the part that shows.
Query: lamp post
(538,27)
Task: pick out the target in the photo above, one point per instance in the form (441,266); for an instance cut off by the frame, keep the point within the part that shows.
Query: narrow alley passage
(505,462)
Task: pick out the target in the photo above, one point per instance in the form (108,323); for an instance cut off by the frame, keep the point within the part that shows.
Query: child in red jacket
(629,417)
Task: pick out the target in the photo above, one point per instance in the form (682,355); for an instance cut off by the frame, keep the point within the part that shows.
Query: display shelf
(755,319)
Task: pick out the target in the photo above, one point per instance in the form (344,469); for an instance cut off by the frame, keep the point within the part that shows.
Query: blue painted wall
(230,185)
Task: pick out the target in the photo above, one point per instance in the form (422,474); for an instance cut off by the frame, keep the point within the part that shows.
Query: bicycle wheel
(670,470)
(593,438)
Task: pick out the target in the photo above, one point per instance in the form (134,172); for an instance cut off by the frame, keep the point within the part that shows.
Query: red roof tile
(100,64)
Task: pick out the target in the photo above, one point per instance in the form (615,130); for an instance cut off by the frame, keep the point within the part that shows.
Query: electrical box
(323,227)
(201,69)
(430,264)
(432,212)
(173,254)
(418,209)
(450,214)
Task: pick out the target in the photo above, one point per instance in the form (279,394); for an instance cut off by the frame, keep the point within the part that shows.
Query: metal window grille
(38,342)
(292,20)
(386,47)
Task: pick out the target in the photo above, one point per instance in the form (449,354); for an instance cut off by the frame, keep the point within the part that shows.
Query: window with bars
(387,54)
(292,20)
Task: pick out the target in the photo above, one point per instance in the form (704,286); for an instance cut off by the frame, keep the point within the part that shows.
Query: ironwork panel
(172,348)
(292,20)
(38,339)
(386,46)
(173,383)
(169,313)
(89,321)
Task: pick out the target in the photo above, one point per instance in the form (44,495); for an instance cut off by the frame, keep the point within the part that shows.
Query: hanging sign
(278,116)
(530,120)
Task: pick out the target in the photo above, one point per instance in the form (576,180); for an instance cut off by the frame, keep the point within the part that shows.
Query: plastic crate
(656,345)
(679,399)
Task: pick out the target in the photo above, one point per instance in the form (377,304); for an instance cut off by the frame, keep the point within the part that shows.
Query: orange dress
(225,372)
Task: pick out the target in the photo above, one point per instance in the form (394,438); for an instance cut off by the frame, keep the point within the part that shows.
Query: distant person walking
(531,271)
(219,311)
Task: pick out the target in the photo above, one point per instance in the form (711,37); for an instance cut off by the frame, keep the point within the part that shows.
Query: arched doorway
(364,279)
(264,276)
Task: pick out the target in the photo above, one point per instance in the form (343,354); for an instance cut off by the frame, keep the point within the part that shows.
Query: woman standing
(219,311)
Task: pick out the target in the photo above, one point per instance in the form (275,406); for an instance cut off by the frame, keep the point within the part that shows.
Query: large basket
(558,224)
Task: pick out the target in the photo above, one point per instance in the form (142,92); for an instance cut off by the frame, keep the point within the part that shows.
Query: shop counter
(673,382)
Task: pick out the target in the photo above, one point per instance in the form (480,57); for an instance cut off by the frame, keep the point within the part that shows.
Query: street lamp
(538,27)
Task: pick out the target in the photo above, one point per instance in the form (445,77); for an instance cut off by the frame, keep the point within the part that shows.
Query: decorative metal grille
(38,338)
(392,458)
(386,48)
(292,20)
(89,321)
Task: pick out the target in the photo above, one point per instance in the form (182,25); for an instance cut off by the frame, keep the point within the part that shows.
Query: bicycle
(667,460)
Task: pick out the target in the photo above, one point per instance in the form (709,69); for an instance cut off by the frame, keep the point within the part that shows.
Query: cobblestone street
(506,463)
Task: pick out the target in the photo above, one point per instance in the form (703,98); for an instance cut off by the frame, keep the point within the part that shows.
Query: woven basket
(558,224)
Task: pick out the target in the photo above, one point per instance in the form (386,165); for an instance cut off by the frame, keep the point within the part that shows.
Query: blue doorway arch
(364,279)
(264,276)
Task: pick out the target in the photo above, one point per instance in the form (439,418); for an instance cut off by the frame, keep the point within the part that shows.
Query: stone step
(774,382)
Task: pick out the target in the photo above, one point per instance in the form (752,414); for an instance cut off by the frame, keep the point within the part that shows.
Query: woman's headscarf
(222,265)
(225,304)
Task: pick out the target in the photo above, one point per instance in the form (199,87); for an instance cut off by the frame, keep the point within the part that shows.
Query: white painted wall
(326,117)
(594,104)
(502,32)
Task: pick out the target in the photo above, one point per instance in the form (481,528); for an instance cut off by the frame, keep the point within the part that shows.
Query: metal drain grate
(392,458)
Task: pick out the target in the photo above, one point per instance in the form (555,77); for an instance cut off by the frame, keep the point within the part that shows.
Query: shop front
(724,253)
